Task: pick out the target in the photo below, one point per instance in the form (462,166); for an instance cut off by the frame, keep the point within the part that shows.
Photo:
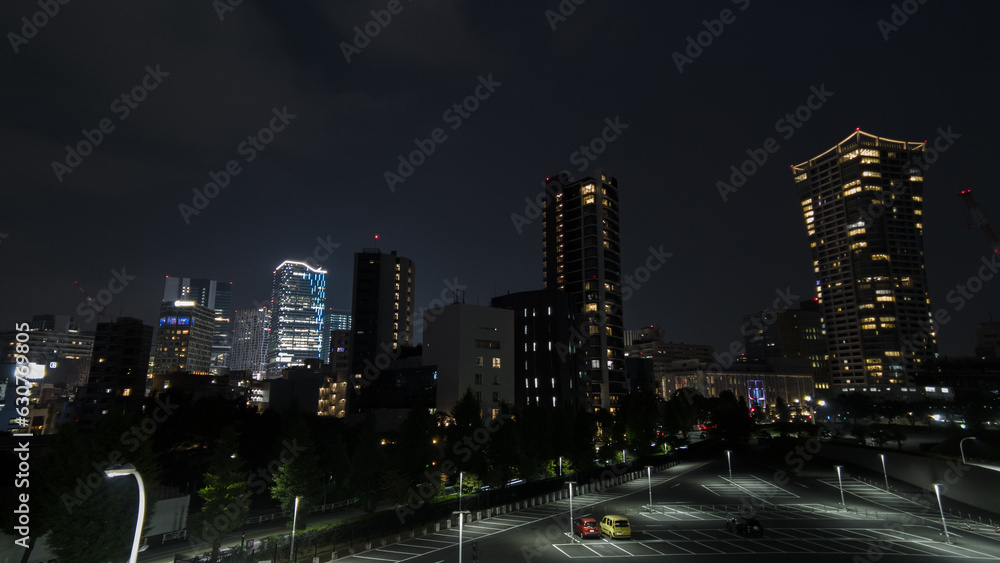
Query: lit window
(587,200)
(496,362)
(479,361)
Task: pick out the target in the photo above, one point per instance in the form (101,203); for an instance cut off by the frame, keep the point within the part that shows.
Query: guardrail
(320,508)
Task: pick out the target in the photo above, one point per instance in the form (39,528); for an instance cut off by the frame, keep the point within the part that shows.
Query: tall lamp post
(129,469)
(560,466)
(461,524)
(841,481)
(937,491)
(884,472)
(460,474)
(960,449)
(649,480)
(729,460)
(295,516)
(571,483)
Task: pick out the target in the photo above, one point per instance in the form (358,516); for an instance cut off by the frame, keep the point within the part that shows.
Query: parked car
(586,528)
(616,526)
(745,526)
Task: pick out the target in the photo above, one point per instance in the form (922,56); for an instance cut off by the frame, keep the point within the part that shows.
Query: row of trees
(234,460)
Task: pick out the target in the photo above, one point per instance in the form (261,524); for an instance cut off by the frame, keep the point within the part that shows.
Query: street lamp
(295,516)
(937,491)
(729,460)
(841,481)
(960,449)
(884,472)
(560,466)
(571,483)
(461,523)
(129,469)
(460,490)
(649,478)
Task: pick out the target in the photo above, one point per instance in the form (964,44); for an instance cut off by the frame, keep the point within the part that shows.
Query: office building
(338,319)
(862,201)
(250,341)
(217,296)
(473,349)
(184,338)
(59,354)
(298,324)
(789,340)
(582,256)
(546,370)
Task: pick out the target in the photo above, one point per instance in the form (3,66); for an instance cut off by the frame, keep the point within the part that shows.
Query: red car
(586,528)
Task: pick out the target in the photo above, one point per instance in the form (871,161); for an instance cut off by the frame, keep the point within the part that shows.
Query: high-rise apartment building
(862,201)
(250,341)
(582,256)
(381,313)
(217,296)
(184,338)
(298,323)
(60,353)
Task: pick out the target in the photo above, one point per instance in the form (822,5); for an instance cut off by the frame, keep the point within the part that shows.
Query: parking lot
(658,542)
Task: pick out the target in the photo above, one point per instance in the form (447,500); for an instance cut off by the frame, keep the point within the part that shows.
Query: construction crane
(980,219)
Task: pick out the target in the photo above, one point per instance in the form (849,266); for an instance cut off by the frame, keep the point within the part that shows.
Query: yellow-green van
(616,526)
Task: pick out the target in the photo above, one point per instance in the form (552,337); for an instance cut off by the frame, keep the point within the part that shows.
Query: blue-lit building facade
(183,338)
(298,323)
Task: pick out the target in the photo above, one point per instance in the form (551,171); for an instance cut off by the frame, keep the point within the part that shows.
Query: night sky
(211,82)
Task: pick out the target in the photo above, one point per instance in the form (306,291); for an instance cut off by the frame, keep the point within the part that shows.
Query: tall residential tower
(863,206)
(582,256)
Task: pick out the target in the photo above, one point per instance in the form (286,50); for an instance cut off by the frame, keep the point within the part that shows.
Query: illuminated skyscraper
(250,341)
(217,296)
(581,247)
(863,206)
(298,325)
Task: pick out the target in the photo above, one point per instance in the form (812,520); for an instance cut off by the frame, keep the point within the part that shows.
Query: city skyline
(699,134)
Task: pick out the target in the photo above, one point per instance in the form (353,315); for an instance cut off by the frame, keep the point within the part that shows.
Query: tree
(299,476)
(226,495)
(95,516)
(861,432)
